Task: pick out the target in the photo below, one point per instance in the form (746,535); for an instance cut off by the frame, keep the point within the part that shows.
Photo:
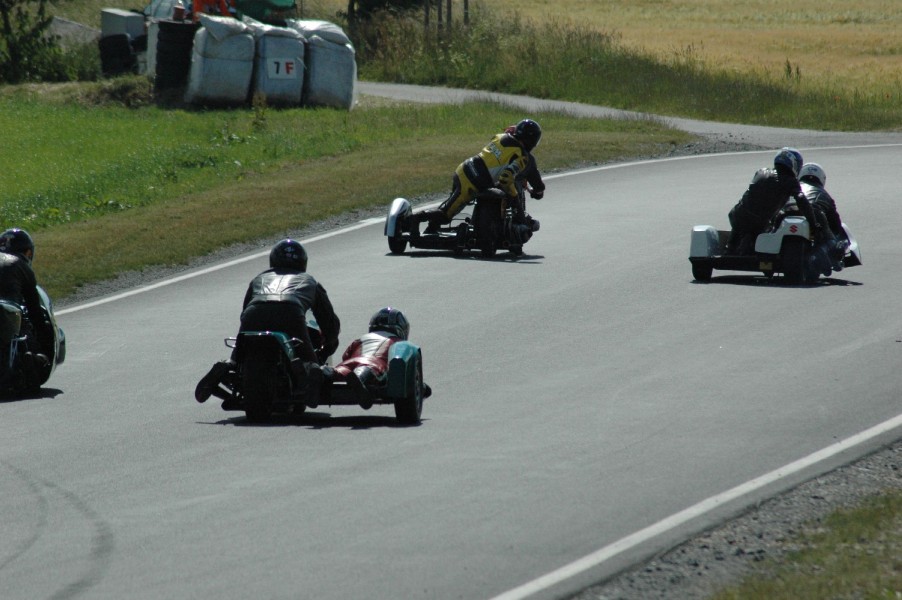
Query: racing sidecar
(788,249)
(18,374)
(493,225)
(270,378)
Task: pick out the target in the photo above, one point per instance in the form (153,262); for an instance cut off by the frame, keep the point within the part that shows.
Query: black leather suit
(824,203)
(18,284)
(278,300)
(768,192)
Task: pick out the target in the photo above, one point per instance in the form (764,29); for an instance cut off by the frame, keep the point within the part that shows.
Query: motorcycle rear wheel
(486,223)
(256,387)
(793,256)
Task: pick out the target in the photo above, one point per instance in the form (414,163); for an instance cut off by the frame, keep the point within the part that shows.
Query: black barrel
(175,41)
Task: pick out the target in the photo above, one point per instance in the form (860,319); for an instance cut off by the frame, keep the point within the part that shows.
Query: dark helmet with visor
(288,254)
(390,320)
(528,133)
(16,241)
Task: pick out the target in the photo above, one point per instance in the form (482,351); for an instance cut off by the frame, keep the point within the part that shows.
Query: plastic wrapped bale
(331,74)
(325,29)
(279,65)
(222,62)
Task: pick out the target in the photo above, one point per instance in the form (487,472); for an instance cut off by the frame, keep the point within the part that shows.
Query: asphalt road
(585,393)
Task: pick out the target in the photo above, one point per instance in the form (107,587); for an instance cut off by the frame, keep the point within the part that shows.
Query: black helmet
(528,133)
(288,254)
(16,241)
(391,320)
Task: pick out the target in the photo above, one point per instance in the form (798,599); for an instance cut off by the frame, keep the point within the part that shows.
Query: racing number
(282,68)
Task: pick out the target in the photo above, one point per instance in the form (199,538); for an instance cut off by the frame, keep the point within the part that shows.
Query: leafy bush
(27,51)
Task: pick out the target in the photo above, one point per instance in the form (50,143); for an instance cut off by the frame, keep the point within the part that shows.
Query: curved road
(592,405)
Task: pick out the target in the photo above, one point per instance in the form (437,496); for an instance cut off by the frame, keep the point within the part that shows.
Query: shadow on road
(502,256)
(37,395)
(760,280)
(317,420)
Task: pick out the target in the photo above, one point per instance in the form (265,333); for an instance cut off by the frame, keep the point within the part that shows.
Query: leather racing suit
(767,194)
(18,284)
(499,163)
(278,299)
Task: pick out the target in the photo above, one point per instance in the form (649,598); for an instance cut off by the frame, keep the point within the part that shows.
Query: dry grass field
(849,45)
(857,44)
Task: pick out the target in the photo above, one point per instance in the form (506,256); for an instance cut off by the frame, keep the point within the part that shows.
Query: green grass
(854,553)
(148,187)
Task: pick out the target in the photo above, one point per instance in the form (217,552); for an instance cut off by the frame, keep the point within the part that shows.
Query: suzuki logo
(793,229)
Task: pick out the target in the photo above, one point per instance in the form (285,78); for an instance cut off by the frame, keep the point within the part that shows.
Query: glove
(536,194)
(506,179)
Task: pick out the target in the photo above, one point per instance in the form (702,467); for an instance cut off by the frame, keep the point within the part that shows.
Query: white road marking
(673,521)
(631,541)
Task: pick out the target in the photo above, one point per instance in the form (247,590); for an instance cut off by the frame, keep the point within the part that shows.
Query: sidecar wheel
(397,244)
(409,409)
(702,272)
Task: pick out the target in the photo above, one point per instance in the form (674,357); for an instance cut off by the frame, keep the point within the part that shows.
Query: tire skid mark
(102,542)
(43,509)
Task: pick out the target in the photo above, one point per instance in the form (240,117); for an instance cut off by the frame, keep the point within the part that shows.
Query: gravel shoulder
(758,541)
(719,557)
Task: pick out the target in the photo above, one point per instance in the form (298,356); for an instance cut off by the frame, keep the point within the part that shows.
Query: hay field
(849,45)
(857,44)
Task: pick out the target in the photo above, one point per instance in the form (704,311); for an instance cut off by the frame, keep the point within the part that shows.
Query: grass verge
(854,553)
(146,187)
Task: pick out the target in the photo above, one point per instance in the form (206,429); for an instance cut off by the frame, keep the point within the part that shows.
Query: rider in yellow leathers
(506,158)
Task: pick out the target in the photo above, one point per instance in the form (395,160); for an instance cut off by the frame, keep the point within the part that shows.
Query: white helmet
(813,171)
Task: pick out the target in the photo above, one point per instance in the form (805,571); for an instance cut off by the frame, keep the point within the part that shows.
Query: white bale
(331,74)
(222,62)
(279,64)
(324,29)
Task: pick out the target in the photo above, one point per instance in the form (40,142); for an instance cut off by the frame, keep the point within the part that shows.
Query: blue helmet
(789,158)
(392,321)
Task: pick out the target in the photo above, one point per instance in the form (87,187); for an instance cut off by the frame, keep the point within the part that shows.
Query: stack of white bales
(306,63)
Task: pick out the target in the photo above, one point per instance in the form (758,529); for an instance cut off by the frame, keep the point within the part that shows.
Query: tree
(27,51)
